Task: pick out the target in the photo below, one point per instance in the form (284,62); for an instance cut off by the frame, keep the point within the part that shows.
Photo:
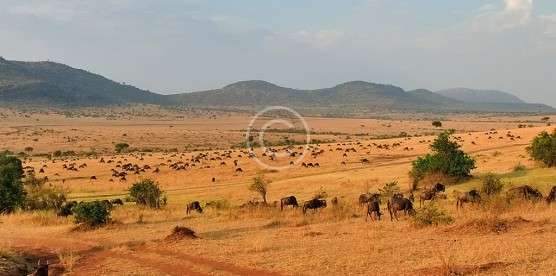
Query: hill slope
(480,96)
(54,84)
(50,83)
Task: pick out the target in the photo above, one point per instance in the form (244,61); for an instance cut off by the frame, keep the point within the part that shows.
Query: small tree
(543,148)
(147,193)
(260,186)
(41,196)
(28,149)
(492,184)
(121,147)
(92,214)
(437,124)
(389,189)
(12,194)
(446,158)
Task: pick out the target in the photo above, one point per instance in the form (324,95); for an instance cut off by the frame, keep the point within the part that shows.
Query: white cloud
(514,14)
(320,38)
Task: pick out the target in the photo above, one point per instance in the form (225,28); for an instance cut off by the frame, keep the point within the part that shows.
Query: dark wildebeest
(524,192)
(288,201)
(366,198)
(431,193)
(239,170)
(472,196)
(373,207)
(107,204)
(551,196)
(194,206)
(314,204)
(66,209)
(42,269)
(117,201)
(399,203)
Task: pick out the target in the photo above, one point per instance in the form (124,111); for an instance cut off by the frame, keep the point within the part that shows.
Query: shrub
(519,168)
(389,189)
(121,147)
(543,148)
(437,124)
(322,194)
(492,184)
(41,197)
(92,214)
(431,214)
(12,194)
(260,186)
(446,158)
(147,193)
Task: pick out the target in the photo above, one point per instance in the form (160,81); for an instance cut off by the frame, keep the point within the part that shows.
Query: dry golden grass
(495,239)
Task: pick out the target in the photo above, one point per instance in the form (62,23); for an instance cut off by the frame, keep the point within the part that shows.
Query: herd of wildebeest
(207,160)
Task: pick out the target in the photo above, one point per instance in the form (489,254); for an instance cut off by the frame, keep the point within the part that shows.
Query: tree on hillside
(121,147)
(543,148)
(446,158)
(12,194)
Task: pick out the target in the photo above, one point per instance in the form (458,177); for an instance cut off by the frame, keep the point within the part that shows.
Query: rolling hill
(50,83)
(480,96)
(59,85)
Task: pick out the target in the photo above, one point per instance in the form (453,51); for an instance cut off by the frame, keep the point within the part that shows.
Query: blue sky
(187,45)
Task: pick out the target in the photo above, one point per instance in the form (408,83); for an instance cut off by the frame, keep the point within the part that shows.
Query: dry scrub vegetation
(496,236)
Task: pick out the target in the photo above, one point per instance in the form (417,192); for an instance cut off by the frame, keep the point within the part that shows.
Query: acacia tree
(12,194)
(446,158)
(260,186)
(543,148)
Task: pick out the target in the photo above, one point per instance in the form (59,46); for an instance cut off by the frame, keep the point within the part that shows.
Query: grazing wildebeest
(42,269)
(66,209)
(551,196)
(399,203)
(524,192)
(239,170)
(214,179)
(431,193)
(288,201)
(194,206)
(93,177)
(366,198)
(472,196)
(117,201)
(373,207)
(314,204)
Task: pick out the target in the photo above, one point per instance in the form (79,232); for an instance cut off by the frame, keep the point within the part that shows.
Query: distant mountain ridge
(480,96)
(55,84)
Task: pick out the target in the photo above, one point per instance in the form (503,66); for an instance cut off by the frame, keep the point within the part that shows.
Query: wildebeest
(399,203)
(431,193)
(66,209)
(288,201)
(472,196)
(314,204)
(117,201)
(366,198)
(524,192)
(551,196)
(373,207)
(194,206)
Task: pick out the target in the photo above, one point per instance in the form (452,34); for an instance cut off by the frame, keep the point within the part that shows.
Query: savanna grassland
(493,238)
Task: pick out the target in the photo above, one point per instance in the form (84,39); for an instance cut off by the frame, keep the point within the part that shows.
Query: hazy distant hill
(50,83)
(480,96)
(54,84)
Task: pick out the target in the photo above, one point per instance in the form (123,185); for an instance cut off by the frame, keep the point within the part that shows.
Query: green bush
(430,215)
(12,194)
(121,147)
(147,193)
(92,214)
(492,184)
(543,148)
(437,124)
(446,158)
(42,197)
